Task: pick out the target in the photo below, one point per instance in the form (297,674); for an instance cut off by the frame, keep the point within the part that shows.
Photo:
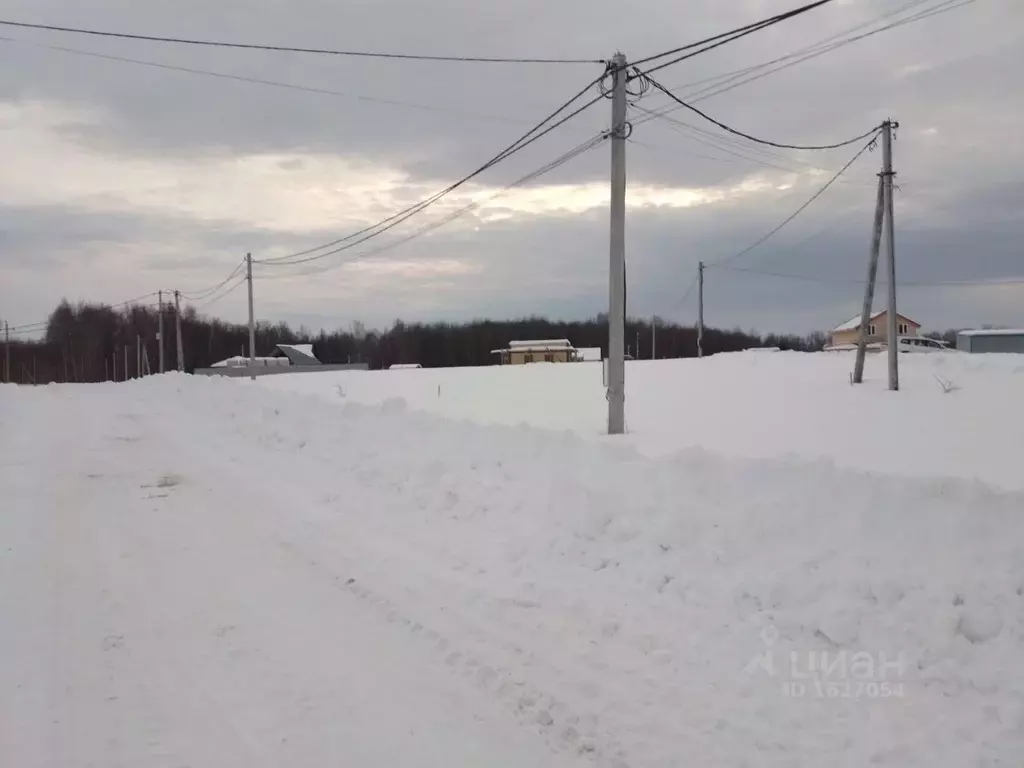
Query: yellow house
(849,332)
(539,351)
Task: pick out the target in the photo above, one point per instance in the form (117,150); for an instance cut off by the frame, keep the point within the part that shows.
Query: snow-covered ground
(206,572)
(751,405)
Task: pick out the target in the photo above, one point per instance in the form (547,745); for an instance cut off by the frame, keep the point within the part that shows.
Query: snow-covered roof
(854,322)
(298,354)
(993,332)
(404,366)
(542,344)
(238,361)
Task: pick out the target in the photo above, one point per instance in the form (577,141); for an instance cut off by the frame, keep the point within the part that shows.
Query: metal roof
(993,332)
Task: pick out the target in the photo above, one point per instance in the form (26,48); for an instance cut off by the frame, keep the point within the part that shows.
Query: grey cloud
(958,212)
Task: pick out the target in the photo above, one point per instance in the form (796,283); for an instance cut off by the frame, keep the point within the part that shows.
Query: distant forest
(85,342)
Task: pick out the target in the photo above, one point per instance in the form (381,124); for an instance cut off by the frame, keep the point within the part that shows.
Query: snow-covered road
(202,572)
(152,614)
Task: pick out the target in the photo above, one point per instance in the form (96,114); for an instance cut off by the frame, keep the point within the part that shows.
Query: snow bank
(745,405)
(654,611)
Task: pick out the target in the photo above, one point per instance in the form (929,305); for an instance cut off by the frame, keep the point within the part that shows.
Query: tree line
(91,342)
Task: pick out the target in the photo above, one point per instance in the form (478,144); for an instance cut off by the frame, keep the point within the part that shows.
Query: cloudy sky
(119,178)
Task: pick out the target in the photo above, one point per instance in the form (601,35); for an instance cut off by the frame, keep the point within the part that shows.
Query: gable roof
(297,354)
(854,322)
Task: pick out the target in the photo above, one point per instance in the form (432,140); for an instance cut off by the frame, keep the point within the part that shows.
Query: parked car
(920,344)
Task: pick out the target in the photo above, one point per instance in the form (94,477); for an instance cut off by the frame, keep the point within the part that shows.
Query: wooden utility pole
(869,288)
(700,309)
(177,331)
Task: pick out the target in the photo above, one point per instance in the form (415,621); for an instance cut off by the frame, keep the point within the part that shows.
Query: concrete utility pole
(890,253)
(177,331)
(252,322)
(617,254)
(7,352)
(160,329)
(869,288)
(700,309)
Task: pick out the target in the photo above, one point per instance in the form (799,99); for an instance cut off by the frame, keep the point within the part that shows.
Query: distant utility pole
(177,331)
(160,328)
(7,352)
(138,356)
(125,364)
(654,340)
(869,288)
(252,322)
(113,360)
(700,309)
(890,252)
(617,254)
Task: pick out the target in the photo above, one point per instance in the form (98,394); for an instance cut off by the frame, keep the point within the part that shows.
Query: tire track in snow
(531,705)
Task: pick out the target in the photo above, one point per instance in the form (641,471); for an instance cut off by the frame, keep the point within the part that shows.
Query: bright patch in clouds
(293,193)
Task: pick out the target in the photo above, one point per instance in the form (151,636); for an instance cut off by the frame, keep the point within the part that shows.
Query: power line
(737,149)
(803,207)
(394,220)
(725,127)
(253,80)
(816,51)
(238,283)
(855,281)
(807,53)
(727,37)
(292,49)
(198,295)
(547,168)
(42,325)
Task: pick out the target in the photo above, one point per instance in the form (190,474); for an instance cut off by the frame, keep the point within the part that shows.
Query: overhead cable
(856,281)
(395,219)
(725,37)
(255,80)
(533,175)
(819,50)
(755,139)
(803,207)
(200,294)
(725,81)
(212,300)
(293,49)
